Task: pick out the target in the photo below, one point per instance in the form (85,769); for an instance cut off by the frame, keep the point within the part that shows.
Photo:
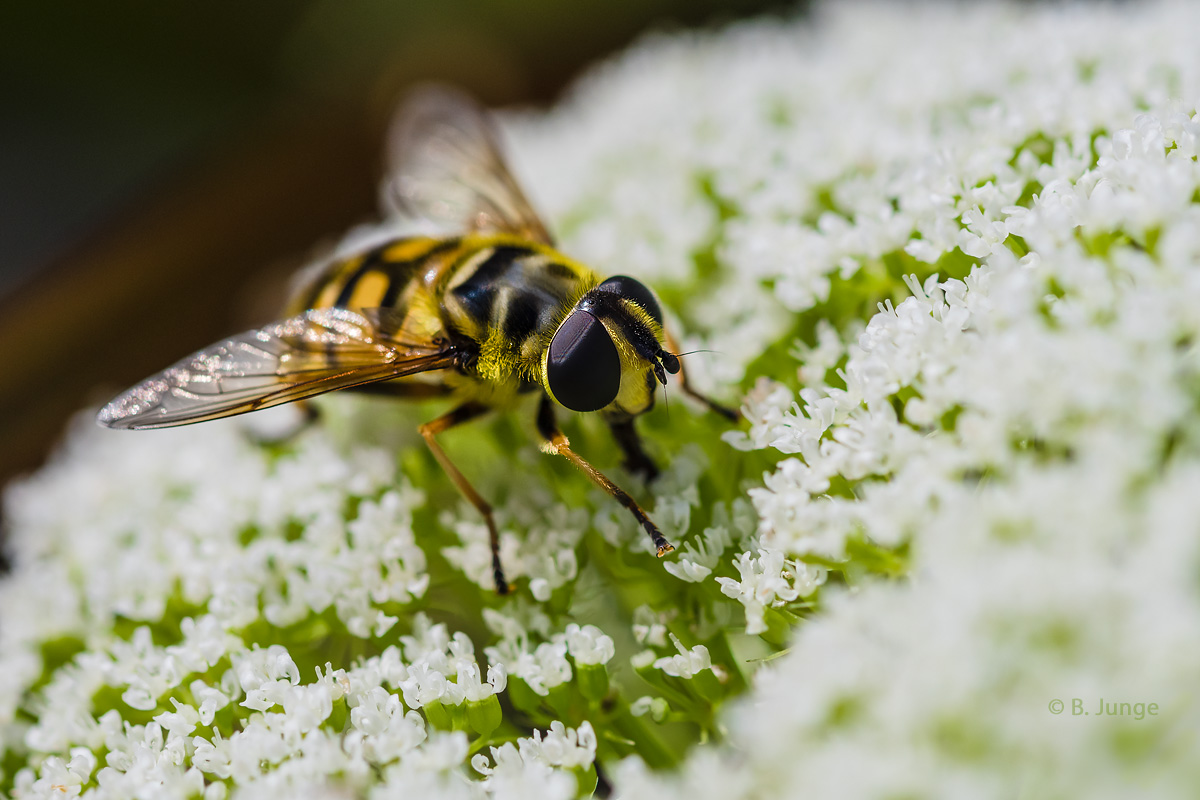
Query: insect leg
(465,413)
(311,414)
(408,391)
(558,443)
(636,460)
(731,414)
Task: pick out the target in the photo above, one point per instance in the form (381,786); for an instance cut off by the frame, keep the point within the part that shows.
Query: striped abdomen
(386,276)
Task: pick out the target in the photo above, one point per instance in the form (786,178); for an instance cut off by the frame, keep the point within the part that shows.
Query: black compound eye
(583,367)
(634,290)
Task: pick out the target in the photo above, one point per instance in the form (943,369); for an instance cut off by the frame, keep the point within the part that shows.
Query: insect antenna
(666,402)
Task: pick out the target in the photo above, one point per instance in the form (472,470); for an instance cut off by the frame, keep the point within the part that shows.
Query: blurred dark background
(165,166)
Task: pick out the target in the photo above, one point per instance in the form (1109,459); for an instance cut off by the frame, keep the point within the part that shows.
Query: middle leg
(636,460)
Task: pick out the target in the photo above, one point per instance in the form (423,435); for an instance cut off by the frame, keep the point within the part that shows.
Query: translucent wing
(316,352)
(446,166)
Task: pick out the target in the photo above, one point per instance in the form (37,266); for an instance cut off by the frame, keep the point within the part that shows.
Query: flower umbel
(949,257)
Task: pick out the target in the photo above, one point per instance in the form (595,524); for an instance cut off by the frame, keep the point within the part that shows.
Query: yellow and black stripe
(504,293)
(377,278)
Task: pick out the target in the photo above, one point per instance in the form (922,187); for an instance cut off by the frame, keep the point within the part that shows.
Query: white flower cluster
(545,665)
(526,769)
(768,579)
(199,534)
(953,254)
(288,745)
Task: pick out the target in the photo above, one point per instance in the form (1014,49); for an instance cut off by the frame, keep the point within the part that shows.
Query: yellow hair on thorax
(498,357)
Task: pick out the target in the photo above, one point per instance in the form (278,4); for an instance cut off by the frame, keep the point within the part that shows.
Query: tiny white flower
(424,686)
(656,707)
(700,555)
(589,645)
(687,663)
(374,710)
(561,747)
(426,638)
(648,627)
(181,721)
(767,580)
(476,690)
(211,700)
(543,668)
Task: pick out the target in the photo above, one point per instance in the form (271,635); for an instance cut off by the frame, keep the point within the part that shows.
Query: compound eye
(583,367)
(634,290)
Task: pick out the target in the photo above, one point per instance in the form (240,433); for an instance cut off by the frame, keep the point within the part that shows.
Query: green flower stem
(646,743)
(592,681)
(721,653)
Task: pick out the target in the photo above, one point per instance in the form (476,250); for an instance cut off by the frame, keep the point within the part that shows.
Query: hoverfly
(482,317)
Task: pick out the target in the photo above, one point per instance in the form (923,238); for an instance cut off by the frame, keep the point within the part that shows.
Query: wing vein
(319,351)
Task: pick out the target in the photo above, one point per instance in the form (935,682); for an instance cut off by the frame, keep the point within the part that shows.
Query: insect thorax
(499,294)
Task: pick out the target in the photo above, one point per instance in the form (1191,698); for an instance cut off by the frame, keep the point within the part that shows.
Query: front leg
(557,443)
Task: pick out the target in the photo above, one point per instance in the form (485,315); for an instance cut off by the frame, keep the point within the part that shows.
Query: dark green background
(102,99)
